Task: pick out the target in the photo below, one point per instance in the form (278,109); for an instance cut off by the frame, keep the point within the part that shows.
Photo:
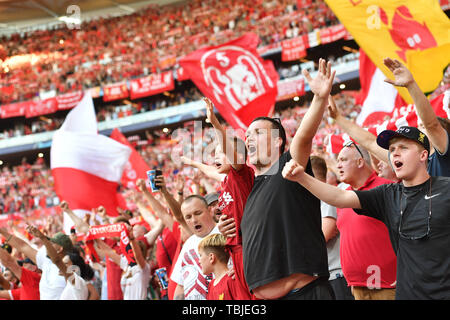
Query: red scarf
(107,231)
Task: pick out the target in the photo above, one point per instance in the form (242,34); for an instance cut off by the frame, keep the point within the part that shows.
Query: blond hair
(215,243)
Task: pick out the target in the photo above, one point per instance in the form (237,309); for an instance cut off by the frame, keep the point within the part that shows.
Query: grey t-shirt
(333,245)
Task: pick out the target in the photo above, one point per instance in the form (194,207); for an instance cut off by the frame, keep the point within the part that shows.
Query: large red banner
(294,49)
(290,89)
(115,91)
(151,85)
(333,33)
(241,85)
(13,109)
(69,100)
(41,107)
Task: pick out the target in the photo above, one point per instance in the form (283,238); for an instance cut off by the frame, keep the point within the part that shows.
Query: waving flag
(241,85)
(414,32)
(86,166)
(377,98)
(136,167)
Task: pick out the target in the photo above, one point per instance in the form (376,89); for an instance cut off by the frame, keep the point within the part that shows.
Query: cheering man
(416,212)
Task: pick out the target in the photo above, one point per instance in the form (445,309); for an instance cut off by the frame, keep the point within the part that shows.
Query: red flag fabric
(151,85)
(181,74)
(136,167)
(241,85)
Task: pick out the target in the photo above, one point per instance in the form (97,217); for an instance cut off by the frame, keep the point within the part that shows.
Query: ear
(424,155)
(211,258)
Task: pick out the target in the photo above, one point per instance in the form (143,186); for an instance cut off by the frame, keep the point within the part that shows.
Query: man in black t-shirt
(415,211)
(284,250)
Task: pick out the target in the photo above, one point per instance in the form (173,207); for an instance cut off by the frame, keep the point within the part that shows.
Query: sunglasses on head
(350,143)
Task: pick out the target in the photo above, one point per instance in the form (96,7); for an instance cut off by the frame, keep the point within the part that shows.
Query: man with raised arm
(436,128)
(415,211)
(284,250)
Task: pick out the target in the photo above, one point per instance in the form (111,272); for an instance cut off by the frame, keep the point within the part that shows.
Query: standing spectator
(364,240)
(52,283)
(415,212)
(26,271)
(77,287)
(332,237)
(191,282)
(284,248)
(214,259)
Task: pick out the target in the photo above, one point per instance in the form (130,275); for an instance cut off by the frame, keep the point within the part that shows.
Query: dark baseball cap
(211,197)
(411,133)
(63,240)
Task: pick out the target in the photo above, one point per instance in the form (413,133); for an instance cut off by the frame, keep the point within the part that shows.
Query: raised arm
(80,225)
(19,244)
(160,211)
(330,194)
(321,85)
(153,234)
(357,133)
(106,250)
(51,251)
(403,78)
(209,171)
(226,143)
(138,254)
(10,263)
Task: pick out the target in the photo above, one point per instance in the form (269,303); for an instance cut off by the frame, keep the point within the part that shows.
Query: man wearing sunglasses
(364,240)
(415,211)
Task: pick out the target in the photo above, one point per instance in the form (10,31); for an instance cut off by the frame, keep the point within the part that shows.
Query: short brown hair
(215,243)
(319,167)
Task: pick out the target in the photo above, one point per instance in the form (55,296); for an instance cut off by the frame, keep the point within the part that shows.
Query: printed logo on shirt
(221,296)
(225,200)
(429,197)
(195,283)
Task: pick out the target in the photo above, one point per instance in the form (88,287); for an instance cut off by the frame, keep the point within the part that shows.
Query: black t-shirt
(282,229)
(423,265)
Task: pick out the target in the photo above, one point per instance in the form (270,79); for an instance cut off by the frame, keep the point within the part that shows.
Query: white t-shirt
(52,283)
(134,281)
(76,291)
(187,271)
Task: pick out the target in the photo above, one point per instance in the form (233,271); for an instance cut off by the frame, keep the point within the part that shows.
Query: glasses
(350,143)
(421,236)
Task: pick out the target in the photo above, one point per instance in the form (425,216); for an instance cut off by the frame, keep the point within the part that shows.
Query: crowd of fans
(144,42)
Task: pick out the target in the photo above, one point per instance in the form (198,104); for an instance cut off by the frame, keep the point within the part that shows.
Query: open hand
(210,111)
(321,85)
(140,184)
(403,76)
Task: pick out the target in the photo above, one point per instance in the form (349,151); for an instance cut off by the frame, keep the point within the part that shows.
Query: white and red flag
(377,98)
(86,166)
(241,85)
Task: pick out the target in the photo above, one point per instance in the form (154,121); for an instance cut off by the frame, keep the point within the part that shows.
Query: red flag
(241,85)
(136,167)
(41,107)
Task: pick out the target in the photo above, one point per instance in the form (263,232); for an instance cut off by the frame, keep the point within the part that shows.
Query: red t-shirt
(236,187)
(176,232)
(365,247)
(166,251)
(30,285)
(224,290)
(113,274)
